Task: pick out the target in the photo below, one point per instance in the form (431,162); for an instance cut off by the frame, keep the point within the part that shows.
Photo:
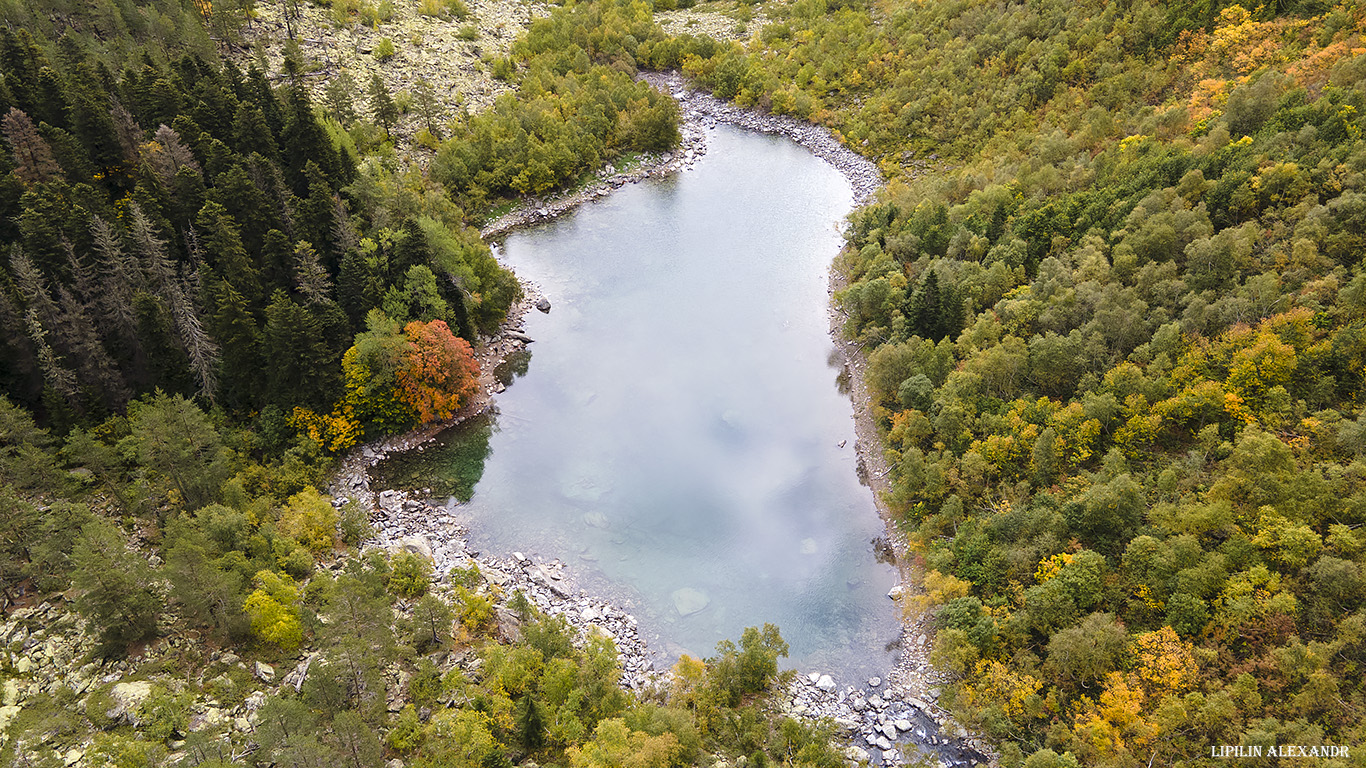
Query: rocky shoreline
(700,112)
(891,722)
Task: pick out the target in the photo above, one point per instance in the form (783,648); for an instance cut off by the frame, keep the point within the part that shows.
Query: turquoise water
(678,423)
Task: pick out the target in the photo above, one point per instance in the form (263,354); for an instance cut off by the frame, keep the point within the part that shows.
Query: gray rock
(874,682)
(688,601)
(826,683)
(263,672)
(543,304)
(127,697)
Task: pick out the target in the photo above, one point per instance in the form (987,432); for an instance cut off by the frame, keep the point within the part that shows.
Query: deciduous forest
(1112,303)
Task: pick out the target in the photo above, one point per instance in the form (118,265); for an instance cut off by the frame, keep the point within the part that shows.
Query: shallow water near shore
(677,435)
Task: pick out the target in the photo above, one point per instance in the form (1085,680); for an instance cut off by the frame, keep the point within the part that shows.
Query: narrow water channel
(677,434)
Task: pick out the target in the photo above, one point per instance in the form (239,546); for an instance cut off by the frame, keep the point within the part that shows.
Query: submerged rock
(688,601)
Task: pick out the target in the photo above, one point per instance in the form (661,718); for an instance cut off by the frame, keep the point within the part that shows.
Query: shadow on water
(451,466)
(514,367)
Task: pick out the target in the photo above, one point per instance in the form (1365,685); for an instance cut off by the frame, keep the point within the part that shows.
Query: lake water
(677,427)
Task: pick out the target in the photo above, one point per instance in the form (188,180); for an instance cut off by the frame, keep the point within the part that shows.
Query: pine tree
(32,156)
(156,262)
(304,140)
(128,133)
(80,336)
(341,99)
(58,377)
(251,133)
(225,253)
(309,276)
(122,278)
(236,332)
(202,351)
(299,372)
(428,106)
(315,213)
(382,105)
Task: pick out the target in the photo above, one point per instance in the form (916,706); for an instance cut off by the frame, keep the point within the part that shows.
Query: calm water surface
(677,424)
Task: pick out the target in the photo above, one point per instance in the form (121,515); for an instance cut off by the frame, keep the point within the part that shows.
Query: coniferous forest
(1112,302)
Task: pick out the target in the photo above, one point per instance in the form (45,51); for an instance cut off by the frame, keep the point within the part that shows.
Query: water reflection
(678,438)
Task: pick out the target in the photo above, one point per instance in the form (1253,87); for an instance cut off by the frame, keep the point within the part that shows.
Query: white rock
(902,725)
(874,682)
(888,730)
(825,683)
(7,714)
(896,592)
(263,672)
(883,743)
(875,701)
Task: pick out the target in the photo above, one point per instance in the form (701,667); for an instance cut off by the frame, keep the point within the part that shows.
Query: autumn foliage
(438,374)
(398,379)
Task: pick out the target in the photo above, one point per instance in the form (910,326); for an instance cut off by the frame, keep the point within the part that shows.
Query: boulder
(688,601)
(418,545)
(263,672)
(126,698)
(826,683)
(543,304)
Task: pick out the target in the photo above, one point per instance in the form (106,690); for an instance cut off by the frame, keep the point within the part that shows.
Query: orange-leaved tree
(438,374)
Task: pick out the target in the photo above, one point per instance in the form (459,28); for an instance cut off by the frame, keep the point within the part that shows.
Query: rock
(7,715)
(857,754)
(896,592)
(882,743)
(23,665)
(522,337)
(543,304)
(263,672)
(874,682)
(688,601)
(888,730)
(127,698)
(418,545)
(229,659)
(208,718)
(10,697)
(902,725)
(73,756)
(826,683)
(875,701)
(296,678)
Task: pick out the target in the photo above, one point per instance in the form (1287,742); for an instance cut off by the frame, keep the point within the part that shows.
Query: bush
(409,575)
(384,50)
